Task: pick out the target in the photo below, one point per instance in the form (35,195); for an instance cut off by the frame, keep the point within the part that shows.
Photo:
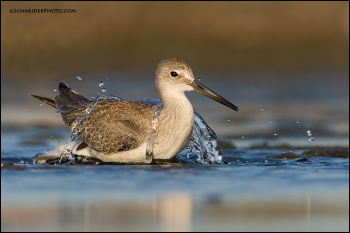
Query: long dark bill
(201,89)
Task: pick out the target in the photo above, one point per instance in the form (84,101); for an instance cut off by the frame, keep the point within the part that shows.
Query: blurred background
(284,64)
(225,37)
(287,57)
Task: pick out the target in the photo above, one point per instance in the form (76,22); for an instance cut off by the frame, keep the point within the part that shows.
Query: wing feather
(117,126)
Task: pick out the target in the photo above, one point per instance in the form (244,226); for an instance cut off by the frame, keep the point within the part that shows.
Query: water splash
(309,133)
(311,140)
(203,142)
(152,134)
(203,146)
(76,127)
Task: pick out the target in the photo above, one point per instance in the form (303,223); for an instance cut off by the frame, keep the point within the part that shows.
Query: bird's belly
(137,155)
(167,147)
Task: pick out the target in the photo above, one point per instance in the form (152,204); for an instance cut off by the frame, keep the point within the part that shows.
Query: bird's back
(117,125)
(110,125)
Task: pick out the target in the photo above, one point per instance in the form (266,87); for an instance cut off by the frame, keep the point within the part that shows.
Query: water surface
(273,187)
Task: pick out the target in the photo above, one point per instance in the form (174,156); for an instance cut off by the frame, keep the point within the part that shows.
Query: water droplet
(243,137)
(311,140)
(228,120)
(308,133)
(103,90)
(275,134)
(30,112)
(261,110)
(55,89)
(79,78)
(101,83)
(40,105)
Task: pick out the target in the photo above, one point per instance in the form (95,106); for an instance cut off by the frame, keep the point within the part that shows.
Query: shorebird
(119,130)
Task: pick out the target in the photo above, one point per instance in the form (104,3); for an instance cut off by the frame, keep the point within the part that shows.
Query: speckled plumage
(110,127)
(119,130)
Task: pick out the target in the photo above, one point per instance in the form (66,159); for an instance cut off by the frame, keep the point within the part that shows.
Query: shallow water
(275,190)
(272,178)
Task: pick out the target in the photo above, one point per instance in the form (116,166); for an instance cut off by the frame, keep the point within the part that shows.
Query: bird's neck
(174,125)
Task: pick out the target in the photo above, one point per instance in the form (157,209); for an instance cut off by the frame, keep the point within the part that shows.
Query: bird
(122,131)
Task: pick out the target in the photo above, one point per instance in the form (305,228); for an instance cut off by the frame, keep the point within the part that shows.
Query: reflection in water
(296,189)
(174,211)
(169,212)
(177,212)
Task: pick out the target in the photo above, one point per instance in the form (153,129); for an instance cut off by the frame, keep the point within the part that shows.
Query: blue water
(244,172)
(251,185)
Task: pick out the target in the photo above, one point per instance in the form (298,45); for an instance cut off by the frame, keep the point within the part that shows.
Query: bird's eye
(173,74)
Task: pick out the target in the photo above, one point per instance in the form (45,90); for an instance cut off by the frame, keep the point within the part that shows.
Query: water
(308,133)
(203,142)
(152,135)
(263,183)
(303,189)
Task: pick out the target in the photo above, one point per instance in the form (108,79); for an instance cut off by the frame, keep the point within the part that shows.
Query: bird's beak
(201,89)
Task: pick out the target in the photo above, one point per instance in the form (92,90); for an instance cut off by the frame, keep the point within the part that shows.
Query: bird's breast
(173,131)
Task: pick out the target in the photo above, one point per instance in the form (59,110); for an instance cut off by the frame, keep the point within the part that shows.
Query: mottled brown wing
(117,126)
(112,126)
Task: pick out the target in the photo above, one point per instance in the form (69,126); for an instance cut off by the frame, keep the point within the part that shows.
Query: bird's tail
(67,96)
(46,100)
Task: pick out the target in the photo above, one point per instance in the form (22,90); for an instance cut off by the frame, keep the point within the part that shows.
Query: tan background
(219,36)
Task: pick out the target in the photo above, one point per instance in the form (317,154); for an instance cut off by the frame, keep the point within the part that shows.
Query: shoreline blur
(103,37)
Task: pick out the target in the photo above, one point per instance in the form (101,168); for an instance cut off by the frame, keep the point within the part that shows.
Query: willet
(119,130)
